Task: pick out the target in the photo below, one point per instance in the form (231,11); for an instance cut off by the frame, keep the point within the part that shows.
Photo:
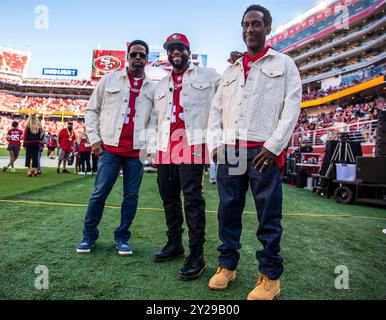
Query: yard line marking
(315,215)
(332,216)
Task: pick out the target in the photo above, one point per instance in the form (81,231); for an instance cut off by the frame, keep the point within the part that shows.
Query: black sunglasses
(135,54)
(178,47)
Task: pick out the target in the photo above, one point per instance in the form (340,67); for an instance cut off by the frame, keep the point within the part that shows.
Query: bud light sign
(60,72)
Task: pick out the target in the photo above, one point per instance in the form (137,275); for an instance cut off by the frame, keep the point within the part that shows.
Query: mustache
(184,60)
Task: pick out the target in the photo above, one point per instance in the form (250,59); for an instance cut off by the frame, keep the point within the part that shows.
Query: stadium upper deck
(336,44)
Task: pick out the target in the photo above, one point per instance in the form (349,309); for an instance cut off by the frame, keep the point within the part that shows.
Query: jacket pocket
(159,102)
(200,94)
(111,97)
(160,96)
(229,85)
(113,90)
(200,86)
(272,77)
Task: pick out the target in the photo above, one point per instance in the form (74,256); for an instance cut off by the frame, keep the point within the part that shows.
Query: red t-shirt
(125,147)
(14,136)
(247,63)
(66,140)
(179,151)
(82,145)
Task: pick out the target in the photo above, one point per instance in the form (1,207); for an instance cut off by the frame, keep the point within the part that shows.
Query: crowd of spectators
(49,126)
(56,82)
(317,94)
(9,102)
(352,115)
(348,81)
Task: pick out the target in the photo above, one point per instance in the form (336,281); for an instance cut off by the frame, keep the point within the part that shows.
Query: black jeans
(85,159)
(188,178)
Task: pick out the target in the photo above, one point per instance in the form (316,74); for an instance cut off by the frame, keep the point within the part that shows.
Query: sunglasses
(179,47)
(135,54)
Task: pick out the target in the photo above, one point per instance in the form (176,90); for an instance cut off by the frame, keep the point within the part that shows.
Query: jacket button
(125,100)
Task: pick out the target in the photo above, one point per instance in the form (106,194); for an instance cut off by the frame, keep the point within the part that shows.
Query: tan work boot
(222,278)
(265,289)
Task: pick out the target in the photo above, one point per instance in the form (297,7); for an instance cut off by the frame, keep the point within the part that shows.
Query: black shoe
(172,250)
(4,169)
(65,171)
(193,268)
(169,252)
(57,170)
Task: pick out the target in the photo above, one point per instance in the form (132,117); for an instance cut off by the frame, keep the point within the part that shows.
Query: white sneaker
(81,173)
(384,231)
(89,173)
(13,170)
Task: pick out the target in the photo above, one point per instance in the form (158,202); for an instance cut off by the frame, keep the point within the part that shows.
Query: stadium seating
(9,102)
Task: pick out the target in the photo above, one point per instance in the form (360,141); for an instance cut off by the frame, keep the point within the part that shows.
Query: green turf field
(41,222)
(5,153)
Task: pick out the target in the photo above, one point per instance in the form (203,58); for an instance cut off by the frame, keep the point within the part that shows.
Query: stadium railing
(361,131)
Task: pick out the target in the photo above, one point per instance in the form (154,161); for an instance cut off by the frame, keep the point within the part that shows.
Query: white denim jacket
(265,108)
(198,89)
(106,110)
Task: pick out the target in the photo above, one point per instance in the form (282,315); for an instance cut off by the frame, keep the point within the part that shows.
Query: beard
(184,60)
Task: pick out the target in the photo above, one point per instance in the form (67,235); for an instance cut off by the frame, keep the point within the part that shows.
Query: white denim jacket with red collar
(198,89)
(265,108)
(106,110)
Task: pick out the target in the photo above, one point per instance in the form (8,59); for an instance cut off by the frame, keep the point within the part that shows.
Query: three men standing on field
(246,119)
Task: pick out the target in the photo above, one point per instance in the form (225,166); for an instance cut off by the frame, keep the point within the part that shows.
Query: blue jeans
(267,194)
(109,166)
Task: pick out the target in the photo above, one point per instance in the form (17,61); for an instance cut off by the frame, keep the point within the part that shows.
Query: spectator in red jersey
(52,145)
(85,154)
(66,140)
(13,137)
(33,138)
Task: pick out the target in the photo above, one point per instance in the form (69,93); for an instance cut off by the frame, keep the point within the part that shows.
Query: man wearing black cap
(119,115)
(182,101)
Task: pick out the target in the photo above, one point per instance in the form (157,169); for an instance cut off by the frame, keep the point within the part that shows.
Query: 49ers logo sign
(106,61)
(107,64)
